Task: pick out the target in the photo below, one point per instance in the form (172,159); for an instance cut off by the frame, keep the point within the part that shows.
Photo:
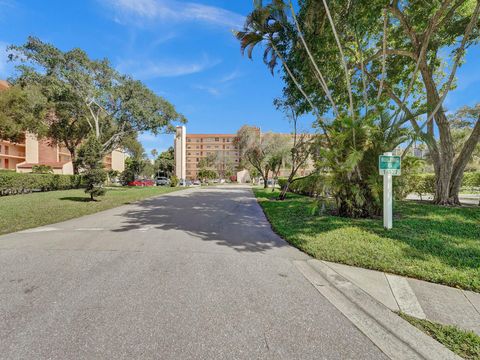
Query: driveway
(196,274)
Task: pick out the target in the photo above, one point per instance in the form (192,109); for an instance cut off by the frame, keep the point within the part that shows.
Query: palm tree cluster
(336,66)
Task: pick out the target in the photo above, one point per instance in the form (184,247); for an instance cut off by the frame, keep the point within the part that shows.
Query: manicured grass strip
(428,242)
(20,212)
(463,343)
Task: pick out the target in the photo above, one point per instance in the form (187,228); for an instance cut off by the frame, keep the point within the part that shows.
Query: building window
(6,153)
(188,147)
(217,139)
(189,140)
(198,159)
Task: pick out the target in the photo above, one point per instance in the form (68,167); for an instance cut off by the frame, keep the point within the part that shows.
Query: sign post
(388,166)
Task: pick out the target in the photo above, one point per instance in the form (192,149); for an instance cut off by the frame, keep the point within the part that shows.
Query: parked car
(141,182)
(162,181)
(196,183)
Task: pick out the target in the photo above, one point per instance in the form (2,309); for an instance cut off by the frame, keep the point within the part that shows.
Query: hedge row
(312,185)
(471,179)
(12,183)
(419,184)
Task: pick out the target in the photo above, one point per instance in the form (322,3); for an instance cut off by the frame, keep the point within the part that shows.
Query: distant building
(190,149)
(414,151)
(22,156)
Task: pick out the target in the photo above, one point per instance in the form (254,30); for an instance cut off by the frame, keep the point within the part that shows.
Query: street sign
(389,165)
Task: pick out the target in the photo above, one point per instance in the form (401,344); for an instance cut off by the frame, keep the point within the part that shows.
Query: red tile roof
(4,85)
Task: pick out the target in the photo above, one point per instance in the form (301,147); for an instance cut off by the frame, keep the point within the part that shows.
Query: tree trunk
(74,163)
(461,162)
(442,186)
(283,193)
(73,156)
(265,179)
(443,152)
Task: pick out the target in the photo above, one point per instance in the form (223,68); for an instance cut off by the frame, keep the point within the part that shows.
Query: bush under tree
(90,161)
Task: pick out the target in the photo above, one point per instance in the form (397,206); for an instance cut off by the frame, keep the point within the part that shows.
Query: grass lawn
(463,343)
(428,242)
(20,212)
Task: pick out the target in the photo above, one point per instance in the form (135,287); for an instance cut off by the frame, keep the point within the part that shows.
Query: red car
(140,182)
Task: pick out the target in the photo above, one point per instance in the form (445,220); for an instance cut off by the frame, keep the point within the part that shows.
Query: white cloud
(150,69)
(166,11)
(219,86)
(210,89)
(230,77)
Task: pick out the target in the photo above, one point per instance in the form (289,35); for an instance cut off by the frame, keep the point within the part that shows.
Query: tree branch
(384,54)
(342,57)
(318,73)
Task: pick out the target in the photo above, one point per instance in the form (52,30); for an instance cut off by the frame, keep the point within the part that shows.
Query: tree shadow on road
(229,217)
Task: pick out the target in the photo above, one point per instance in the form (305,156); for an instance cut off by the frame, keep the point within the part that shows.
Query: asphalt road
(196,274)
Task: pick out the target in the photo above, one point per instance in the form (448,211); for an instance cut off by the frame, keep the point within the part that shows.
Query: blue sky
(182,50)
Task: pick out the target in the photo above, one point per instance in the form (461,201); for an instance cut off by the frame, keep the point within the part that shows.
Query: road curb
(390,333)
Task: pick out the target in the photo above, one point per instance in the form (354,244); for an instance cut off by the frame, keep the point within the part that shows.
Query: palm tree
(264,25)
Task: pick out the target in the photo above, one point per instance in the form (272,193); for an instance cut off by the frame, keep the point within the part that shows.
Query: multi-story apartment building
(190,149)
(30,151)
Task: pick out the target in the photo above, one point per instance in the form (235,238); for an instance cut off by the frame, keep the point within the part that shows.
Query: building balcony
(20,156)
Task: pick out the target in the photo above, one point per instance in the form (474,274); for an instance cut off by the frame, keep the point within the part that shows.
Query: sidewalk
(417,298)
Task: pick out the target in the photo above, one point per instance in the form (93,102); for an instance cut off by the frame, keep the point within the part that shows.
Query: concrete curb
(393,335)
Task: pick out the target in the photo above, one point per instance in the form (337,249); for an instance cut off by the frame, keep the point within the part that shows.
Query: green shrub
(89,159)
(282,182)
(174,181)
(313,185)
(407,183)
(471,179)
(12,183)
(42,169)
(419,184)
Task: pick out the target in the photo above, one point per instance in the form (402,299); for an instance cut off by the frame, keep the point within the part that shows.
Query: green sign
(389,165)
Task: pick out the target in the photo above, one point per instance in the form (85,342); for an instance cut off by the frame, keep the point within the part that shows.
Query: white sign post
(389,166)
(387,200)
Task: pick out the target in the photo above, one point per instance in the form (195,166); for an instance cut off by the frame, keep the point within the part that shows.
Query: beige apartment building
(23,155)
(190,149)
